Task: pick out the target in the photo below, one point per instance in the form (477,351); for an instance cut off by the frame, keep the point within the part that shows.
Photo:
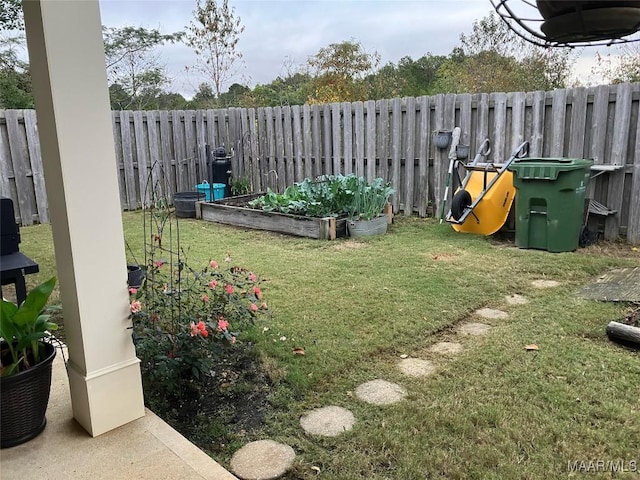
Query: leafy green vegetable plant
(329,196)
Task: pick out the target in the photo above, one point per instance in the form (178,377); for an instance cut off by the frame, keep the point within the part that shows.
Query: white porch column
(66,54)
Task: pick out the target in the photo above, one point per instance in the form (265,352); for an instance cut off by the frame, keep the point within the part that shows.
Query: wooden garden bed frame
(233,211)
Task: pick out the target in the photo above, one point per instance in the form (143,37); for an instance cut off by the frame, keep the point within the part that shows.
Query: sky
(281,34)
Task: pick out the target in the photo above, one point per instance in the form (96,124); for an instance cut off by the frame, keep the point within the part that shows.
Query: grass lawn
(494,410)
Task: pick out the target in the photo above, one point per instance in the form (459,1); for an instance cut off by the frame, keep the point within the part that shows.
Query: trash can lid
(541,168)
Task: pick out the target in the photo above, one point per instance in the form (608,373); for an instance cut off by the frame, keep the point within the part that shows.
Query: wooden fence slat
(633,226)
(221,129)
(272,172)
(621,125)
(396,150)
(289,169)
(518,100)
(423,157)
(281,155)
(235,142)
(578,122)
(483,120)
(212,131)
(127,160)
(256,166)
(336,117)
(465,118)
(558,115)
(5,159)
(19,157)
(191,149)
(439,156)
(154,186)
(115,123)
(498,138)
(358,114)
(536,141)
(263,149)
(142,158)
(33,143)
(201,146)
(347,139)
(371,140)
(308,141)
(167,155)
(298,149)
(180,155)
(409,154)
(316,130)
(383,139)
(327,140)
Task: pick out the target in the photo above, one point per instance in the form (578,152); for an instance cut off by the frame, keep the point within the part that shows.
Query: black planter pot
(135,276)
(23,401)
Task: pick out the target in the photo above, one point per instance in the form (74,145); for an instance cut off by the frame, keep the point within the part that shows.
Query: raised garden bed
(234,211)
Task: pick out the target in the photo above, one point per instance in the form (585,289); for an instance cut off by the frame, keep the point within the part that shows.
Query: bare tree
(214,35)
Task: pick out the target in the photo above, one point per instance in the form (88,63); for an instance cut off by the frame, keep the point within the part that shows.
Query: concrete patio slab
(145,449)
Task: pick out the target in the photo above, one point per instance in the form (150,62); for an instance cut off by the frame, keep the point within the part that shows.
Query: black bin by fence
(219,166)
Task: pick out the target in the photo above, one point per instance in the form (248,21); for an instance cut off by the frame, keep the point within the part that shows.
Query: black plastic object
(9,230)
(219,166)
(185,203)
(24,400)
(460,202)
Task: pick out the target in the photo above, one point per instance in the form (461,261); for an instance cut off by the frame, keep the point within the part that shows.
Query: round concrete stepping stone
(492,313)
(262,460)
(380,392)
(327,421)
(545,283)
(416,367)
(516,299)
(474,329)
(446,347)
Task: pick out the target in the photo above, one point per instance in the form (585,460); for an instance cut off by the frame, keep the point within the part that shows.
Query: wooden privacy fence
(393,139)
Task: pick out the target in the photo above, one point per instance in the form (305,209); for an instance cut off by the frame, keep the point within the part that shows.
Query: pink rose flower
(253,307)
(213,264)
(229,288)
(264,305)
(194,329)
(253,277)
(257,292)
(223,324)
(213,283)
(205,298)
(136,306)
(133,291)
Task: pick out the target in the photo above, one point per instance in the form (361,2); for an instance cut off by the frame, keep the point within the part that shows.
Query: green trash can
(550,202)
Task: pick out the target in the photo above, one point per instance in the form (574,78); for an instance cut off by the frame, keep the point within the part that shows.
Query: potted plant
(25,366)
(365,210)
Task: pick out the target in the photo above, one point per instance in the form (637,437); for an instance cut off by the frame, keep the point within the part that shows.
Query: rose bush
(183,319)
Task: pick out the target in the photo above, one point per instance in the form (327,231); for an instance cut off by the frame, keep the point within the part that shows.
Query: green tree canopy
(340,70)
(493,59)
